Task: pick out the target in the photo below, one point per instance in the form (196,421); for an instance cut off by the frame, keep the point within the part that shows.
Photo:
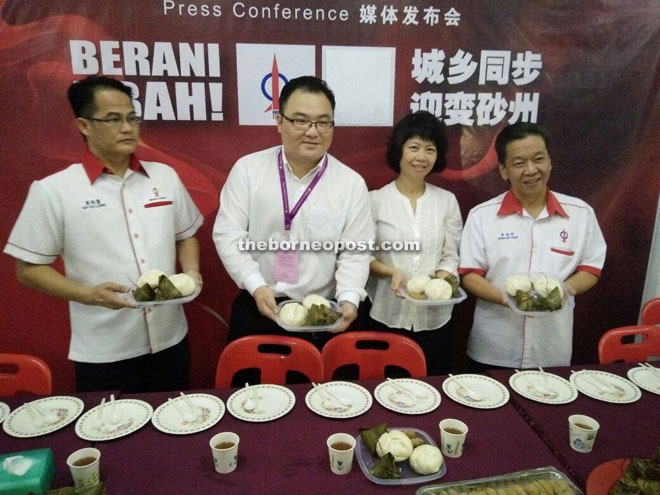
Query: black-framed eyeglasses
(305,125)
(117,121)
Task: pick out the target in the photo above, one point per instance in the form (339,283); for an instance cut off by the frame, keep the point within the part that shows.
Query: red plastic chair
(611,348)
(401,351)
(248,352)
(651,312)
(24,373)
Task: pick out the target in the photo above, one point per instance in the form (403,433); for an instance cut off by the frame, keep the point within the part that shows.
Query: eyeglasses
(305,125)
(117,121)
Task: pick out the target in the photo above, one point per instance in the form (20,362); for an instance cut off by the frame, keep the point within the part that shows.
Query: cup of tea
(224,447)
(582,432)
(341,447)
(452,437)
(84,466)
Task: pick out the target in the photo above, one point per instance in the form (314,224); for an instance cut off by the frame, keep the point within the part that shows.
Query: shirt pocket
(562,251)
(324,224)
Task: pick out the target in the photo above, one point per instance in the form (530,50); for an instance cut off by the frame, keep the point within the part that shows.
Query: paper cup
(341,447)
(84,466)
(582,432)
(452,437)
(224,447)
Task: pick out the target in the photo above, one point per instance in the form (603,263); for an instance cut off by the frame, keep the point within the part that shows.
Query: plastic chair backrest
(247,352)
(401,351)
(611,348)
(24,373)
(651,312)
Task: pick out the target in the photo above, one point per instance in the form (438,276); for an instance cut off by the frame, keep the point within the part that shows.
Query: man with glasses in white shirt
(111,217)
(295,191)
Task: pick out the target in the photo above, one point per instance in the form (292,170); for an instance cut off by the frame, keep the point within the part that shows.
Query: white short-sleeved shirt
(501,239)
(336,210)
(106,227)
(437,225)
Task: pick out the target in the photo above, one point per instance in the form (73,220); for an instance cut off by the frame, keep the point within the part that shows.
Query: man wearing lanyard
(527,229)
(290,193)
(110,217)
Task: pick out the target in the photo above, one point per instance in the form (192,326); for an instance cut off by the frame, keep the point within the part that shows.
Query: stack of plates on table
(58,411)
(543,387)
(407,396)
(487,392)
(272,402)
(132,414)
(605,386)
(325,399)
(172,416)
(646,378)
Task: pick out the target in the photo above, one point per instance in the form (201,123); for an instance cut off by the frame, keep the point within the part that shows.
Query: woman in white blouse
(410,209)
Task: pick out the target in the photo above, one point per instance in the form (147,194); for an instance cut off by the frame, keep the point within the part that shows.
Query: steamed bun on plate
(426,459)
(416,285)
(438,290)
(517,282)
(396,443)
(544,285)
(184,283)
(293,314)
(315,299)
(152,277)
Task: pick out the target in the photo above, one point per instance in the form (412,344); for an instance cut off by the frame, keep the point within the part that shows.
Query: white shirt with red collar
(106,227)
(501,239)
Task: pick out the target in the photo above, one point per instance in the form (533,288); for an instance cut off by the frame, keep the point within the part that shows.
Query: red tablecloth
(625,429)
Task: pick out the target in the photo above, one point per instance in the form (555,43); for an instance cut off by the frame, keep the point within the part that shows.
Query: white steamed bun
(184,283)
(293,314)
(438,289)
(544,285)
(426,459)
(396,443)
(151,278)
(315,299)
(418,284)
(517,282)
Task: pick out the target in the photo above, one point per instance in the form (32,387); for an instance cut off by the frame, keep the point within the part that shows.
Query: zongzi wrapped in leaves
(166,290)
(552,301)
(648,487)
(385,468)
(144,293)
(525,301)
(370,436)
(319,315)
(453,281)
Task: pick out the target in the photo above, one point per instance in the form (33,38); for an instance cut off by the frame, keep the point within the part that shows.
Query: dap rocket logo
(262,70)
(270,88)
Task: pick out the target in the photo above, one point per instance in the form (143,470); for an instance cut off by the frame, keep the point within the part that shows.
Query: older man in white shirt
(294,192)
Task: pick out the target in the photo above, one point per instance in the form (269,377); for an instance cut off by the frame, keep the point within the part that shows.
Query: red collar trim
(94,167)
(510,204)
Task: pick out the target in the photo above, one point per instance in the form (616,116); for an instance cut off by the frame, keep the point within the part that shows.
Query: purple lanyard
(288,215)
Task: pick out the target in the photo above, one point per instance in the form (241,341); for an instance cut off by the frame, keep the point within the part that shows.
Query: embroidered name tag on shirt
(92,203)
(507,235)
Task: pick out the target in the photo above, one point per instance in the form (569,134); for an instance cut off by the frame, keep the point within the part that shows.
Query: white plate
(592,382)
(134,415)
(274,402)
(167,419)
(567,302)
(493,393)
(543,387)
(178,300)
(408,476)
(429,302)
(4,411)
(645,378)
(290,328)
(359,397)
(395,400)
(19,422)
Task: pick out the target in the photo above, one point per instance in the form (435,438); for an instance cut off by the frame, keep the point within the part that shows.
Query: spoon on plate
(395,383)
(249,405)
(475,396)
(325,400)
(340,400)
(186,415)
(98,422)
(115,416)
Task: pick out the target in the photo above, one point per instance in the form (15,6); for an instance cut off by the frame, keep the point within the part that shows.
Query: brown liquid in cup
(583,426)
(341,446)
(454,431)
(224,445)
(84,461)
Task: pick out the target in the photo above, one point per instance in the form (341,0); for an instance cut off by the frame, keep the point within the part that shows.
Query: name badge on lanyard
(285,263)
